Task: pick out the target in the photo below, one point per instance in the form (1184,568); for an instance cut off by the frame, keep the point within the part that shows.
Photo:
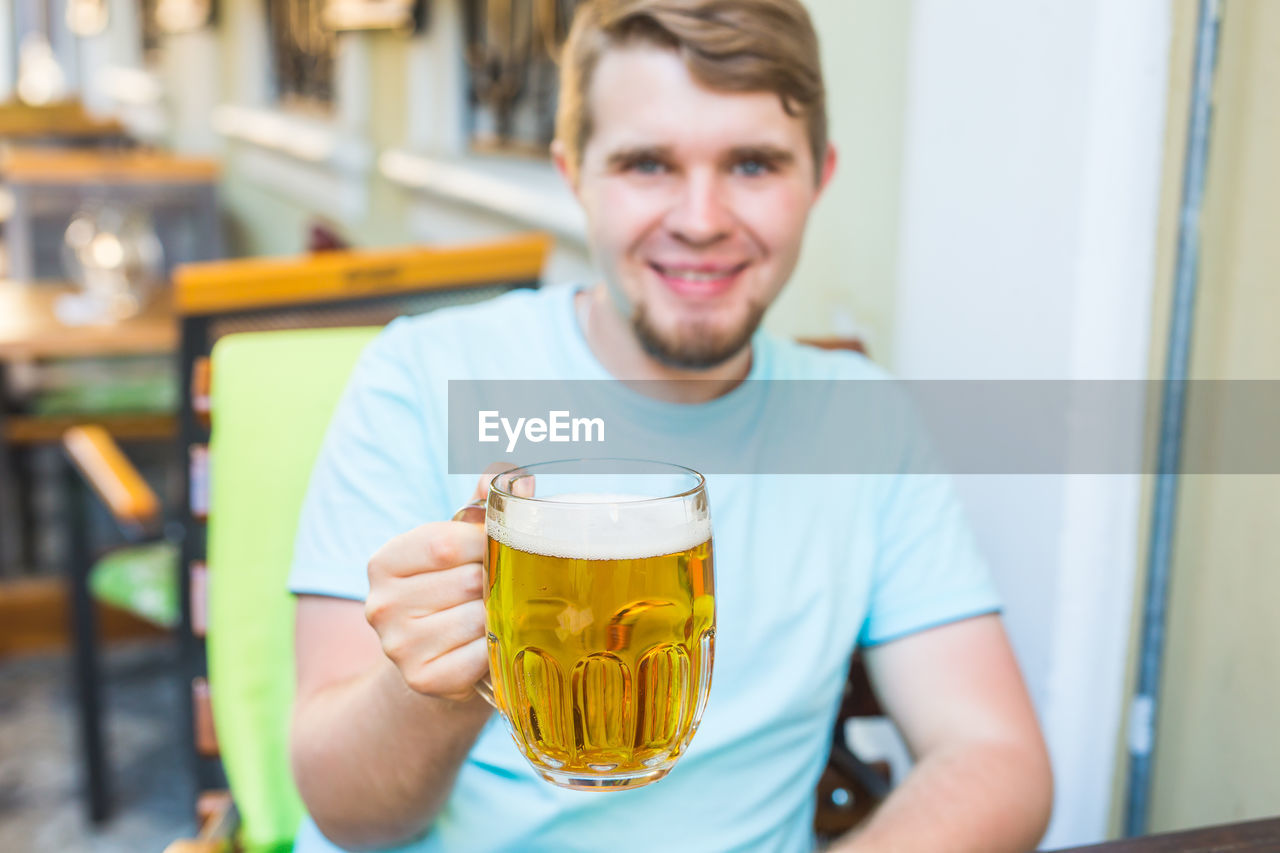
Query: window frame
(319,162)
(284,95)
(436,163)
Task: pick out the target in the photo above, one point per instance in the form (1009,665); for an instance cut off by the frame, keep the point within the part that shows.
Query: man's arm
(982,780)
(385,711)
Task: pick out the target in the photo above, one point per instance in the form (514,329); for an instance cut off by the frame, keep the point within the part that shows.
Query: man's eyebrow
(629,155)
(769,153)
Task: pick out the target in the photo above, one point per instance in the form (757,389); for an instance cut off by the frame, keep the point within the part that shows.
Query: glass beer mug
(600,608)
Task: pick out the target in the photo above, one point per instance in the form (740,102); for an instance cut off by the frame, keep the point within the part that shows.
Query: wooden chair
(136,509)
(272,396)
(218,300)
(850,788)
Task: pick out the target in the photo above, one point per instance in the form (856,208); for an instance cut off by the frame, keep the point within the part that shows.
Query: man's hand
(385,715)
(424,601)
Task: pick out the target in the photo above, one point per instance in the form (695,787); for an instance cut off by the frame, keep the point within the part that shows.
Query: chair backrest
(283,342)
(272,396)
(365,287)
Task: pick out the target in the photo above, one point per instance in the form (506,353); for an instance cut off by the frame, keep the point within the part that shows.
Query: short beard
(699,349)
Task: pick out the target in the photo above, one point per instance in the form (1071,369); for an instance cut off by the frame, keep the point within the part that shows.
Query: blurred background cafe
(1058,190)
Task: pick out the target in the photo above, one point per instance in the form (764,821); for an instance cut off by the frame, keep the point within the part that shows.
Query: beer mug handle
(484,687)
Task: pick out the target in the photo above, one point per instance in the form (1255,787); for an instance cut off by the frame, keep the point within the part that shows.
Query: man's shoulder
(474,340)
(523,305)
(524,310)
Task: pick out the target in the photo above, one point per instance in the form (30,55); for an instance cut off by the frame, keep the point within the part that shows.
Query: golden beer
(601,655)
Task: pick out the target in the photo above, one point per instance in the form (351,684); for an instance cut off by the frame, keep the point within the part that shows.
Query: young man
(693,132)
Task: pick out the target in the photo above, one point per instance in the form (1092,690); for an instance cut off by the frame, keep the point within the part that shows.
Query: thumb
(471,513)
(482,485)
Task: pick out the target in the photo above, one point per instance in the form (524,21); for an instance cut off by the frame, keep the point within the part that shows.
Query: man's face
(696,202)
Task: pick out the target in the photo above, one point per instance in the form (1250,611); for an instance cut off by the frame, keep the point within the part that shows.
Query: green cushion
(142,579)
(273,394)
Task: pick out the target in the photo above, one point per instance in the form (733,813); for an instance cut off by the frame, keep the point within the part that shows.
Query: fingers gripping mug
(600,608)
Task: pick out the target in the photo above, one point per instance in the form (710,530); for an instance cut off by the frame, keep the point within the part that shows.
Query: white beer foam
(662,527)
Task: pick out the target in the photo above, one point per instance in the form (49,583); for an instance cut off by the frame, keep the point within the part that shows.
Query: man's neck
(614,344)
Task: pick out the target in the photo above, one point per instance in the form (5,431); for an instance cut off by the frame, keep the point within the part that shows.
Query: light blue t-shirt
(807,568)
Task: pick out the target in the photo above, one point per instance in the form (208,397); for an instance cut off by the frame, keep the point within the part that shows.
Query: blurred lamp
(40,77)
(370,14)
(183,16)
(116,258)
(86,18)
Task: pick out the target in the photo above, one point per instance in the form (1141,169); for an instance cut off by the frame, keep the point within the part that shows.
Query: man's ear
(828,168)
(559,156)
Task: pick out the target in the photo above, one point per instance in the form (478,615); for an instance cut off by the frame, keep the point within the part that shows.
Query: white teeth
(692,275)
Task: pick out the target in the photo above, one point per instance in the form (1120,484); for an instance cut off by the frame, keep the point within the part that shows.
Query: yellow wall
(848,274)
(1218,747)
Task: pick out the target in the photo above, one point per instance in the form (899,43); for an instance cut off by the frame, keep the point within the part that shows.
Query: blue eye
(752,168)
(647,166)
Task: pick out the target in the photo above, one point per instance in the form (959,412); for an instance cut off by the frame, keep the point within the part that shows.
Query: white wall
(189,67)
(1027,239)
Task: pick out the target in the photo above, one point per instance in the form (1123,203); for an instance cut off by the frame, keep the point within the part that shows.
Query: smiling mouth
(699,280)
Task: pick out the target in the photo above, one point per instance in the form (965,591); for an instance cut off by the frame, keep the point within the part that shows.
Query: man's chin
(695,346)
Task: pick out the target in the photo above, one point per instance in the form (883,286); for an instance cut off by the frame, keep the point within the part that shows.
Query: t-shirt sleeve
(928,570)
(377,474)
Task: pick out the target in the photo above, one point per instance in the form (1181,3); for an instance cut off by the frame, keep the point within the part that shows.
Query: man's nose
(700,214)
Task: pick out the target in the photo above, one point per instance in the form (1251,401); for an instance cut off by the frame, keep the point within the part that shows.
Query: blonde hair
(727,45)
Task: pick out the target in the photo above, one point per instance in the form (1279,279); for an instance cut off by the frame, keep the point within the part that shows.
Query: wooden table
(30,331)
(29,328)
(67,121)
(1257,837)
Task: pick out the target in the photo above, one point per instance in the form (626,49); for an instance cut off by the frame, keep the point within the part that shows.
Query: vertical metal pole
(206,773)
(1142,716)
(190,547)
(85,653)
(11,550)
